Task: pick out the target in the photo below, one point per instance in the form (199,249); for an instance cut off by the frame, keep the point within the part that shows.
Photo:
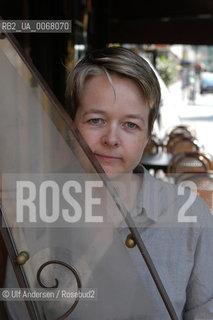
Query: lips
(106,158)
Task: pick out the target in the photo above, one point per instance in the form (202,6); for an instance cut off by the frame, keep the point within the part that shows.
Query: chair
(153,145)
(184,144)
(178,133)
(190,162)
(181,129)
(204,185)
(174,138)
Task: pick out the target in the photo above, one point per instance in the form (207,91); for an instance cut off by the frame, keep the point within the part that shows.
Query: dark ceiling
(139,21)
(110,21)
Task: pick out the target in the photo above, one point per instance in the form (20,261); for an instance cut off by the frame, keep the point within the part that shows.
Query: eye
(131,125)
(96,121)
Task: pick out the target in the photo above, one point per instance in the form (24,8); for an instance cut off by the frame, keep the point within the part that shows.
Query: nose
(111,137)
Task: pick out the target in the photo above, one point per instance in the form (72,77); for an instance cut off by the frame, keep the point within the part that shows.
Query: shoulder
(174,203)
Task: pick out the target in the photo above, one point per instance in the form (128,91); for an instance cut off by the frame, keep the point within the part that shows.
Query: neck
(127,187)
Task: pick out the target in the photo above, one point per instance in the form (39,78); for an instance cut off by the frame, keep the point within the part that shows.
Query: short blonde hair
(119,60)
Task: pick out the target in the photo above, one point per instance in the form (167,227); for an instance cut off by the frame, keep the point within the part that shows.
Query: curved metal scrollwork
(73,270)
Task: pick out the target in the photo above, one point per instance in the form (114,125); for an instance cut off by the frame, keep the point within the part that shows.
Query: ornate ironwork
(78,280)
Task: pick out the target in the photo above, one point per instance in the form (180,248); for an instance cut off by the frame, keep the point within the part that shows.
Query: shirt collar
(148,196)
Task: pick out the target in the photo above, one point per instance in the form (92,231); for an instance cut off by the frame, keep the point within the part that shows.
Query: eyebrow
(94,111)
(131,116)
(135,116)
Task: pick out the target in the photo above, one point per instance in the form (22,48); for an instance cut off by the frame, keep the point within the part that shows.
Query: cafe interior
(176,155)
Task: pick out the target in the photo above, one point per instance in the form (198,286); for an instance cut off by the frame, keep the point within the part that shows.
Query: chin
(111,174)
(118,176)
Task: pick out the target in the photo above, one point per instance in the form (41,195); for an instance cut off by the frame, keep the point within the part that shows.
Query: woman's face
(114,124)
